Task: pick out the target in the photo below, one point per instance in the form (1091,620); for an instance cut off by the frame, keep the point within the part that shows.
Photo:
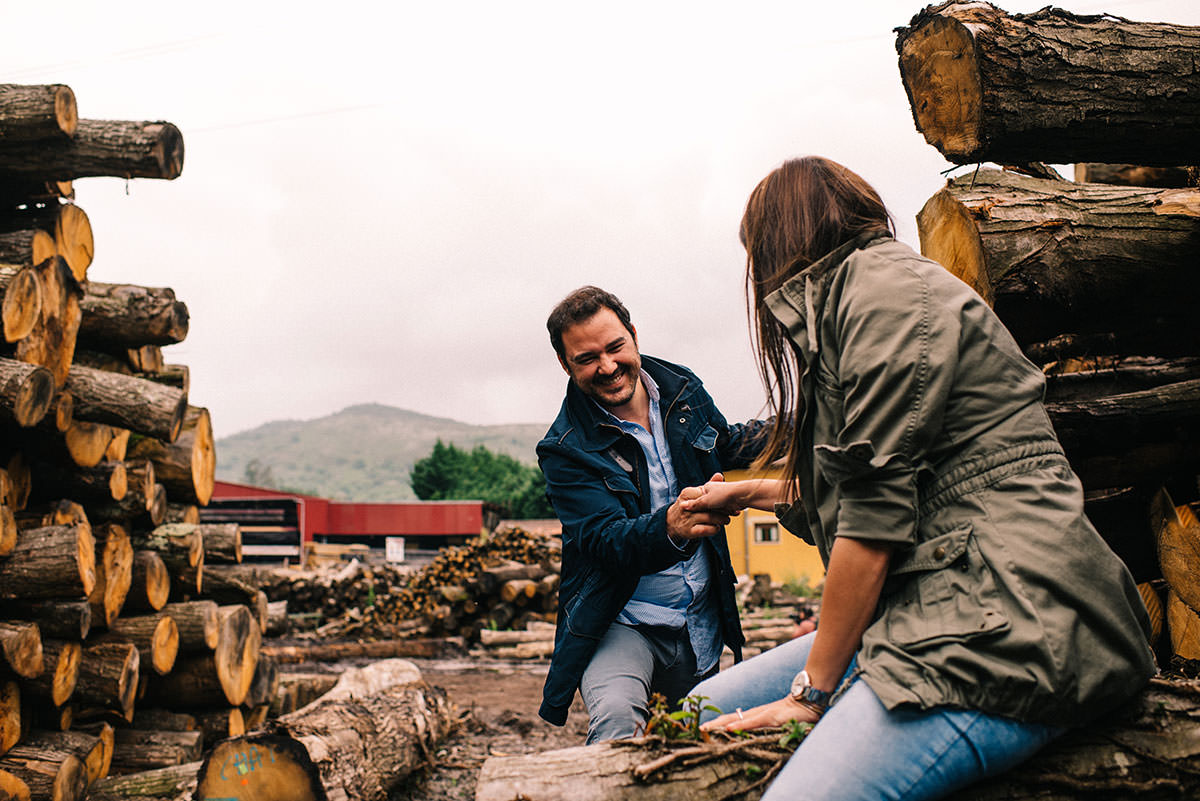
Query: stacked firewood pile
(503,582)
(1096,278)
(103,465)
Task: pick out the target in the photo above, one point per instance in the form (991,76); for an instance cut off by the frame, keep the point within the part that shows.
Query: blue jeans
(629,664)
(861,751)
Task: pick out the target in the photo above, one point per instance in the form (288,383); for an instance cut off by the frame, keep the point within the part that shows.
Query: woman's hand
(772,715)
(717,496)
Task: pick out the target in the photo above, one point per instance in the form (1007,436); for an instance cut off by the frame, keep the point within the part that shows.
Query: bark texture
(102,147)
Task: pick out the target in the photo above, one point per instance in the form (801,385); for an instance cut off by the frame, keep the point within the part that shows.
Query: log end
(22,307)
(34,395)
(8,530)
(949,236)
(66,672)
(165,645)
(74,240)
(66,112)
(85,550)
(266,760)
(940,71)
(13,787)
(168,150)
(204,457)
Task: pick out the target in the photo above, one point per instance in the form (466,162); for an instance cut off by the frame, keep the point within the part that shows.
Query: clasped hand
(702,511)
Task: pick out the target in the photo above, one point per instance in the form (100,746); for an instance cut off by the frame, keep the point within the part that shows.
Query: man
(646,601)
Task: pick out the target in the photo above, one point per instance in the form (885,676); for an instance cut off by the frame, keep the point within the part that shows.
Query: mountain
(362,453)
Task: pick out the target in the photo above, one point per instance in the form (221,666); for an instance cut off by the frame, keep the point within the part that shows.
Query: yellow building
(758,544)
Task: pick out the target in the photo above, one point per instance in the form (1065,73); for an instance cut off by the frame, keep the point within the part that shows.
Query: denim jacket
(924,427)
(596,477)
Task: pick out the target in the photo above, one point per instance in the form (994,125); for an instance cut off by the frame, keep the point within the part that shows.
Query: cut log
(167,784)
(10,715)
(1054,257)
(52,562)
(277,618)
(1134,175)
(21,647)
(106,482)
(181,547)
(118,445)
(22,303)
(108,676)
(226,587)
(101,147)
(175,375)
(1050,86)
(182,513)
(33,113)
(68,620)
(222,544)
(87,443)
(61,414)
(57,681)
(137,750)
(123,315)
(156,637)
(139,477)
(25,246)
(187,467)
(145,358)
(431,647)
(26,392)
(198,623)
(1097,377)
(51,343)
(68,226)
(316,760)
(1177,532)
(93,750)
(144,407)
(1137,437)
(130,509)
(223,676)
(151,582)
(49,773)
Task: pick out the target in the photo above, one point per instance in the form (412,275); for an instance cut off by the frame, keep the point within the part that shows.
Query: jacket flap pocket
(706,440)
(935,553)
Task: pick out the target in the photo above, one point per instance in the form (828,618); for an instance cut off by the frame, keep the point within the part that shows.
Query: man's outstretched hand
(684,523)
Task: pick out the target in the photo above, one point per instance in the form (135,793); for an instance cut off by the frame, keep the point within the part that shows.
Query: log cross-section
(26,392)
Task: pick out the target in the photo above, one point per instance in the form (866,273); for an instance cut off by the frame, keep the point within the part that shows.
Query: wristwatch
(804,693)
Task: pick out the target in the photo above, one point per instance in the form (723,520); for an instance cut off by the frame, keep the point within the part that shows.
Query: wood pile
(99,441)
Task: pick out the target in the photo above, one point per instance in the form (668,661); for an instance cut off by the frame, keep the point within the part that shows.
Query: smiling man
(646,601)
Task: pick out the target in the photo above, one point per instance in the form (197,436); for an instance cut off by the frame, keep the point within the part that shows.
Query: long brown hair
(804,209)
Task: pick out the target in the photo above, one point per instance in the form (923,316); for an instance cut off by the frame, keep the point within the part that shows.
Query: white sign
(394,549)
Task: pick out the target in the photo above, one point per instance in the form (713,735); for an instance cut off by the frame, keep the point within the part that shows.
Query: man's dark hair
(578,306)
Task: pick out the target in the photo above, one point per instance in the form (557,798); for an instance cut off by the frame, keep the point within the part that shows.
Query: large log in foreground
(186,466)
(1151,750)
(26,392)
(30,113)
(1054,257)
(101,148)
(1051,86)
(50,562)
(383,710)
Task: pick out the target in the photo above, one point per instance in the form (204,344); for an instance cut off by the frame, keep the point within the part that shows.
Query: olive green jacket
(924,427)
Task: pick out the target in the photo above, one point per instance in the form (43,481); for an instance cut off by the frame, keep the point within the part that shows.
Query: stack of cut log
(1096,278)
(100,452)
(503,582)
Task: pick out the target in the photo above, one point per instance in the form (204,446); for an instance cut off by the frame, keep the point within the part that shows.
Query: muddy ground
(500,702)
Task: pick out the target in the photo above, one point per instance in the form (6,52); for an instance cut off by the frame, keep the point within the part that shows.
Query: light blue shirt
(677,595)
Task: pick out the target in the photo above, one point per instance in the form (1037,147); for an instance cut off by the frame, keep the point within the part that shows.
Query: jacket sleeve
(595,520)
(891,369)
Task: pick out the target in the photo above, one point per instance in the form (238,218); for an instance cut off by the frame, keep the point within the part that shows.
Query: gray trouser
(629,664)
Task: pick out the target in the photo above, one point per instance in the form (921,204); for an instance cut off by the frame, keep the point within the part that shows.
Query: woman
(970,611)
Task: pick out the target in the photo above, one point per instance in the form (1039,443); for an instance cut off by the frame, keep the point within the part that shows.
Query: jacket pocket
(944,591)
(706,440)
(585,615)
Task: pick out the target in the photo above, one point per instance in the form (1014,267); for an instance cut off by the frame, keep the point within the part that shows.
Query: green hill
(362,453)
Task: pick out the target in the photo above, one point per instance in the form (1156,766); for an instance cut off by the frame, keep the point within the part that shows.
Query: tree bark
(384,710)
(198,623)
(68,620)
(49,773)
(21,647)
(380,649)
(102,148)
(1134,175)
(150,586)
(61,662)
(1098,377)
(22,304)
(137,750)
(1051,86)
(1054,257)
(53,562)
(180,547)
(123,315)
(108,676)
(168,784)
(143,407)
(33,113)
(187,466)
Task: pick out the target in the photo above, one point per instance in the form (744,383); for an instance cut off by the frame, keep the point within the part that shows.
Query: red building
(279,523)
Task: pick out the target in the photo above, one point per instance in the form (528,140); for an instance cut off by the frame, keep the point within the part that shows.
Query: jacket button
(683,419)
(939,553)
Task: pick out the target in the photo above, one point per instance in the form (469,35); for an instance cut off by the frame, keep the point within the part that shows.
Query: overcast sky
(382,202)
